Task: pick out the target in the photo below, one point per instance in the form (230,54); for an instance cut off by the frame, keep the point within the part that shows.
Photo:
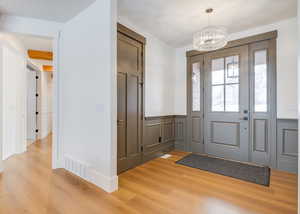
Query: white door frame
(56,147)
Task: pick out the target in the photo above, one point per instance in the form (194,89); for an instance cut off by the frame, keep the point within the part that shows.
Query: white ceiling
(175,21)
(35,42)
(52,10)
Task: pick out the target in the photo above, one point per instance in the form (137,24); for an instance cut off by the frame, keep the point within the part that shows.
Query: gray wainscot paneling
(287,145)
(159,136)
(163,134)
(181,133)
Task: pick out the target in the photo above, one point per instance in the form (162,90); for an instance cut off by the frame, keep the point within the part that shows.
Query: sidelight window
(196,84)
(260,81)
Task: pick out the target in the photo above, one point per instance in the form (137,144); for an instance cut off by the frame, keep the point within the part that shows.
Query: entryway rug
(247,172)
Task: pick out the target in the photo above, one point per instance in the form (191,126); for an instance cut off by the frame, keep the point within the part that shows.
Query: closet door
(129,80)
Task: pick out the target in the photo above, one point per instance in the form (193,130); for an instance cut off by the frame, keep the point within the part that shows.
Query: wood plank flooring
(29,186)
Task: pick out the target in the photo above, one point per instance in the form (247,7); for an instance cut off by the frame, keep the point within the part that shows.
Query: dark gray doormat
(247,172)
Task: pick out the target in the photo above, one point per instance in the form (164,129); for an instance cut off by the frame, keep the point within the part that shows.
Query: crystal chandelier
(211,37)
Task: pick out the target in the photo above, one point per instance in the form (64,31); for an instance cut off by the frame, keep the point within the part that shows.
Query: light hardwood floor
(29,186)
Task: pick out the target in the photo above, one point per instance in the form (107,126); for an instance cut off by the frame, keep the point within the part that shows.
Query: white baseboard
(109,184)
(57,164)
(30,141)
(84,171)
(1,166)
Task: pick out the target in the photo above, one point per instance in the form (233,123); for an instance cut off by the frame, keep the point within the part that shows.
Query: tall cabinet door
(195,77)
(129,80)
(227,103)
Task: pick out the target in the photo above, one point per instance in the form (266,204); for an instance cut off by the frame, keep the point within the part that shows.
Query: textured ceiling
(175,21)
(52,10)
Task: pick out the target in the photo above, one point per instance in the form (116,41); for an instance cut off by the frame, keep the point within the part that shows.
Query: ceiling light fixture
(211,37)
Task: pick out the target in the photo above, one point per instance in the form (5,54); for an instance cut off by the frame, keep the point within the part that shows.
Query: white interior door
(31,106)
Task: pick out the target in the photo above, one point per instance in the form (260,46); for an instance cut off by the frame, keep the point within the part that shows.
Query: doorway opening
(27,92)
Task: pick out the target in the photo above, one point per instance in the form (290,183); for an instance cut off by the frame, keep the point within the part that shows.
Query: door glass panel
(260,81)
(218,98)
(217,71)
(232,98)
(232,69)
(225,84)
(196,87)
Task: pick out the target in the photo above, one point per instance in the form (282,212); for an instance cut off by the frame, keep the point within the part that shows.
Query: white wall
(286,68)
(159,73)
(13,91)
(87,89)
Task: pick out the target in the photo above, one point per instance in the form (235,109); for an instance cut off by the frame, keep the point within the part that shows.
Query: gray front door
(226,116)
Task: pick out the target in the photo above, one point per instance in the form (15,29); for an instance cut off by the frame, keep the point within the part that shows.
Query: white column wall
(87,89)
(13,92)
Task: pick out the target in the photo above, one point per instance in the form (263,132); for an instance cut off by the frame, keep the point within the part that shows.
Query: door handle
(244,118)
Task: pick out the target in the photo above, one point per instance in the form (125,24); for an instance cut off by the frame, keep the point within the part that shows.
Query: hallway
(28,185)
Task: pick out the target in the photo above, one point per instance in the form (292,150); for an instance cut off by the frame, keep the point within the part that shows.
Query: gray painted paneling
(287,145)
(260,135)
(196,135)
(181,133)
(226,133)
(159,136)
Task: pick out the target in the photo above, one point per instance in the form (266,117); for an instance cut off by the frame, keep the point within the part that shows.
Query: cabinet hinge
(142,148)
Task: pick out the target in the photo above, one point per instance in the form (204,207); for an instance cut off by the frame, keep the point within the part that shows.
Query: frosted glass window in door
(217,68)
(196,84)
(232,69)
(225,77)
(232,98)
(218,98)
(260,81)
